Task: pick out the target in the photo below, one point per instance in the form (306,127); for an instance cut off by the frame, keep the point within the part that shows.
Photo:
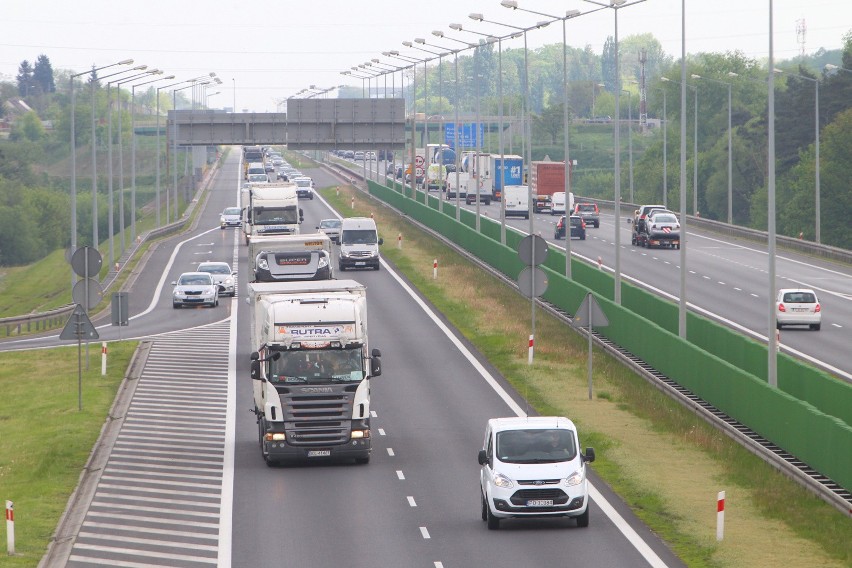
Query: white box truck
(276,258)
(311,368)
(273,209)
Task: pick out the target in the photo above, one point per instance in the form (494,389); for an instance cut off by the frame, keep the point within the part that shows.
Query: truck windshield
(535,446)
(318,366)
(275,216)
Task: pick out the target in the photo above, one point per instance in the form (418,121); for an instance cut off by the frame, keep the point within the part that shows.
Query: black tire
(377,267)
(583,238)
(598,225)
(176,306)
(778,325)
(484,507)
(583,520)
(493,522)
(341,268)
(363,461)
(816,326)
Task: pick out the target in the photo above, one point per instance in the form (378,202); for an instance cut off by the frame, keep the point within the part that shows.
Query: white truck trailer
(272,209)
(311,368)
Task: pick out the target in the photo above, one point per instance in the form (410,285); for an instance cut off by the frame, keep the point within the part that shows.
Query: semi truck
(311,367)
(272,209)
(276,258)
(546,178)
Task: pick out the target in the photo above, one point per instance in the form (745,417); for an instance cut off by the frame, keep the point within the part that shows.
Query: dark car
(578,228)
(589,212)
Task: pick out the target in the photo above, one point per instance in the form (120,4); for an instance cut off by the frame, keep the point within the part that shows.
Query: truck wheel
(583,520)
(363,461)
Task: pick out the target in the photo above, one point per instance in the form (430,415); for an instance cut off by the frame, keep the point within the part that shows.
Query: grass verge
(666,463)
(45,440)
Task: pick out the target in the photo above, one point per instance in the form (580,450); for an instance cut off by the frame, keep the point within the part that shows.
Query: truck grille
(317,418)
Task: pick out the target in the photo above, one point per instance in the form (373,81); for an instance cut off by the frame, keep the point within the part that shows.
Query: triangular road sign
(581,316)
(79,326)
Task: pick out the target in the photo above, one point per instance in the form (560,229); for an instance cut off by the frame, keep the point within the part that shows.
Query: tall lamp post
(615,6)
(133,150)
(664,124)
(168,208)
(192,84)
(513,4)
(730,147)
(816,147)
(694,145)
(629,137)
(110,207)
(74,156)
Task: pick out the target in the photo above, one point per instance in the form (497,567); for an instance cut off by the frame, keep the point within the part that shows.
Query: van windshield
(359,237)
(536,446)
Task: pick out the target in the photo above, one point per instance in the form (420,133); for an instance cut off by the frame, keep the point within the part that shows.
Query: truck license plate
(318,453)
(540,503)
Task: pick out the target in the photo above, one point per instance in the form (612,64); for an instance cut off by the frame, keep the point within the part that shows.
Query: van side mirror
(301,215)
(482,457)
(255,370)
(590,455)
(381,241)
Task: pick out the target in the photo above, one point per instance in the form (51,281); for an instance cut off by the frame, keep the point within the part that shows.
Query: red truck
(546,178)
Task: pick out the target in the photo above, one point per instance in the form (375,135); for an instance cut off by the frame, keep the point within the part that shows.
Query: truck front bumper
(282,451)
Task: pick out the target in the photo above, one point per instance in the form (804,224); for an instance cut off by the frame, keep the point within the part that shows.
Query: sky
(265,52)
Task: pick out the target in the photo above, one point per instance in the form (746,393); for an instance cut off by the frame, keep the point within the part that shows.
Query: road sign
(418,171)
(87,292)
(419,161)
(525,250)
(532,281)
(86,262)
(79,327)
(587,313)
(120,308)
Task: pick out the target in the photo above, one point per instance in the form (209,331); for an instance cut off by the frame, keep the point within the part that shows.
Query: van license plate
(318,453)
(540,503)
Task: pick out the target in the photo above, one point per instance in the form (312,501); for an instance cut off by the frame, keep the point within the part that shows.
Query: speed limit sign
(418,161)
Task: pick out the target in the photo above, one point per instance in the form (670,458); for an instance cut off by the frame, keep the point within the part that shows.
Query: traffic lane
(435,406)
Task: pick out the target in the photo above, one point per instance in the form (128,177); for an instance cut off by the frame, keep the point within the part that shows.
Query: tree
(43,74)
(25,78)
(28,127)
(608,65)
(550,122)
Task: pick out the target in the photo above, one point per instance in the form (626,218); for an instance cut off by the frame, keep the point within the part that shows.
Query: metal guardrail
(33,323)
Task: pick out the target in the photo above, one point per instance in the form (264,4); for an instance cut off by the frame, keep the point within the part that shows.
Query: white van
(517,201)
(532,467)
(558,204)
(359,244)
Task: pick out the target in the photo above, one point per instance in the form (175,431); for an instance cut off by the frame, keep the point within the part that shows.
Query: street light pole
(630,138)
(665,153)
(74,157)
(730,152)
(168,208)
(817,228)
(133,151)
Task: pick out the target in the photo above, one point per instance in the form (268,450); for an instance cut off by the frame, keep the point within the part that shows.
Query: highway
(186,485)
(727,280)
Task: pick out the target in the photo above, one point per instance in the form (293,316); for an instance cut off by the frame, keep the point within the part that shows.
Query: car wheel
(583,520)
(484,506)
(597,225)
(778,325)
(816,326)
(341,268)
(377,267)
(527,216)
(582,237)
(363,461)
(175,306)
(493,522)
(222,227)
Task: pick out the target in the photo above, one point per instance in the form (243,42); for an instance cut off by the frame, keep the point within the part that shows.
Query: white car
(230,217)
(195,289)
(532,467)
(222,275)
(798,306)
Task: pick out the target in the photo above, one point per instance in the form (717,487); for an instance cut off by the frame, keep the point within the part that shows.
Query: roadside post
(532,281)
(590,315)
(10,528)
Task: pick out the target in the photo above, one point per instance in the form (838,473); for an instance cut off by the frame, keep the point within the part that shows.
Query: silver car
(331,227)
(195,289)
(222,275)
(230,217)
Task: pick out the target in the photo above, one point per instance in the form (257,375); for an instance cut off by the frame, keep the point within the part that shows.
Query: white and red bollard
(352,203)
(399,241)
(337,191)
(778,340)
(600,263)
(10,528)
(530,348)
(371,215)
(103,358)
(435,269)
(720,516)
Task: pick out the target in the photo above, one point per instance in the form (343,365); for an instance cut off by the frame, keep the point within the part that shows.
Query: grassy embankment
(666,463)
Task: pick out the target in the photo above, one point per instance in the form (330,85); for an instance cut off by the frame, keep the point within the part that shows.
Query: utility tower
(801,32)
(643,92)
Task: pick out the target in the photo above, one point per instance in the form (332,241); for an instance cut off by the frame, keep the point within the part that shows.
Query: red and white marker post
(352,203)
(10,528)
(720,516)
(435,269)
(103,358)
(530,348)
(600,263)
(399,241)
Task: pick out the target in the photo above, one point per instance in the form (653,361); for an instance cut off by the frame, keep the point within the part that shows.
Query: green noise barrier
(809,414)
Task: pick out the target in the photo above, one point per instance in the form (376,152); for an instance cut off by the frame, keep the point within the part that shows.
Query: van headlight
(501,480)
(576,478)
